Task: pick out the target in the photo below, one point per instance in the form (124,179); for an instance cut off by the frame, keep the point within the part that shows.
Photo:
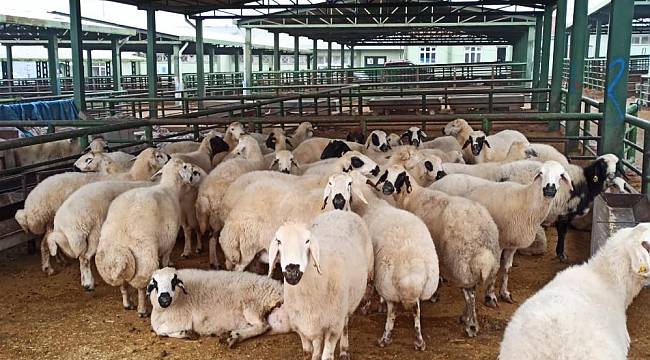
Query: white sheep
(202,157)
(189,303)
(460,130)
(394,140)
(233,132)
(304,131)
(494,147)
(78,221)
(140,228)
(179,147)
(147,163)
(406,263)
(273,140)
(349,161)
(376,143)
(212,189)
(468,251)
(423,166)
(100,145)
(517,209)
(325,267)
(520,150)
(312,150)
(283,160)
(580,314)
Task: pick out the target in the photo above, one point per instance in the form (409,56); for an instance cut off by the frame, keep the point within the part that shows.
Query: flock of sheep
(344,221)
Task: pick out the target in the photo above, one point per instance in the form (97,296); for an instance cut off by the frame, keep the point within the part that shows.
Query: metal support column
(618,59)
(89,63)
(152,75)
(170,64)
(276,51)
(10,62)
(329,55)
(236,59)
(53,63)
(200,59)
(260,62)
(211,59)
(546,56)
(296,53)
(77,56)
(579,36)
(558,60)
(116,64)
(315,55)
(537,53)
(599,29)
(248,63)
(342,56)
(352,56)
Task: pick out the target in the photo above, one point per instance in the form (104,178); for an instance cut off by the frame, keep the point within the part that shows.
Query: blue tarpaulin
(40,110)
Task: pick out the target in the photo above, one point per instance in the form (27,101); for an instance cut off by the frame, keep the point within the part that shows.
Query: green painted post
(10,62)
(89,63)
(579,36)
(211,59)
(537,57)
(276,51)
(296,53)
(352,56)
(618,59)
(329,55)
(236,59)
(599,30)
(248,59)
(558,60)
(152,75)
(200,63)
(546,55)
(116,64)
(342,56)
(169,64)
(260,62)
(53,63)
(314,59)
(77,56)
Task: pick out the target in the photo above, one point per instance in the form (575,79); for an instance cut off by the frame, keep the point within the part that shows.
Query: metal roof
(19,27)
(187,7)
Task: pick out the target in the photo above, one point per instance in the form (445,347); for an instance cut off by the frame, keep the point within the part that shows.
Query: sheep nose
(338,202)
(375,171)
(549,190)
(440,174)
(388,188)
(383,148)
(476,150)
(75,168)
(286,171)
(292,274)
(416,142)
(164,299)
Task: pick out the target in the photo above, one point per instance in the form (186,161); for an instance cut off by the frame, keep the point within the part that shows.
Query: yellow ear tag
(595,178)
(643,269)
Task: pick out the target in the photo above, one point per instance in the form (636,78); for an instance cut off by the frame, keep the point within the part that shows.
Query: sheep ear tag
(595,179)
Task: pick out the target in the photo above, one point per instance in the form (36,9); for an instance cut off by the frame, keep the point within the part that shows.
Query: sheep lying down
(189,303)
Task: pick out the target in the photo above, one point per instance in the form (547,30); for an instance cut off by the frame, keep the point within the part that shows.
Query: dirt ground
(52,318)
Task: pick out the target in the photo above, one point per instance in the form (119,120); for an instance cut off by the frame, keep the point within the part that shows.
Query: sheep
(304,131)
(520,215)
(460,130)
(580,314)
(406,264)
(587,183)
(325,269)
(350,160)
(179,147)
(189,303)
(209,148)
(284,161)
(273,141)
(234,131)
(211,192)
(311,150)
(141,226)
(414,136)
(393,140)
(79,219)
(33,154)
(356,135)
(376,143)
(422,165)
(468,251)
(455,156)
(494,147)
(100,145)
(520,150)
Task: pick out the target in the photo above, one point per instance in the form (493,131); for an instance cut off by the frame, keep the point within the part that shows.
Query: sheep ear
(314,252)
(295,163)
(567,179)
(275,162)
(640,258)
(157,174)
(181,285)
(422,134)
(407,181)
(467,143)
(153,284)
(486,143)
(382,178)
(87,149)
(531,153)
(359,194)
(273,255)
(288,142)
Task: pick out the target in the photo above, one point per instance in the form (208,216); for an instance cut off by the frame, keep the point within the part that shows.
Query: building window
(638,39)
(427,55)
(472,54)
(99,70)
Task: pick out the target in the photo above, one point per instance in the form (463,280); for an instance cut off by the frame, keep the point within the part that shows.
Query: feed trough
(613,212)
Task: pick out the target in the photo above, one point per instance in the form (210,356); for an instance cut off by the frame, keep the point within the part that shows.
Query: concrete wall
(456,54)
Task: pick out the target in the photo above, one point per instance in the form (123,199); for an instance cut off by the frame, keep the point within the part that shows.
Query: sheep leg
(126,302)
(142,303)
(490,296)
(166,261)
(419,340)
(471,323)
(46,266)
(199,242)
(316,345)
(306,344)
(562,226)
(187,249)
(212,253)
(506,265)
(182,334)
(390,323)
(87,280)
(329,346)
(345,342)
(257,326)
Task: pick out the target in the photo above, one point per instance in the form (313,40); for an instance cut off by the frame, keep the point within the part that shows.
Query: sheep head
(377,139)
(285,161)
(164,287)
(395,179)
(550,175)
(295,247)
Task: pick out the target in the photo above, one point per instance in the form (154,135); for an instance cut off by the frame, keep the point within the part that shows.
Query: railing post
(558,62)
(579,36)
(152,77)
(77,56)
(645,170)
